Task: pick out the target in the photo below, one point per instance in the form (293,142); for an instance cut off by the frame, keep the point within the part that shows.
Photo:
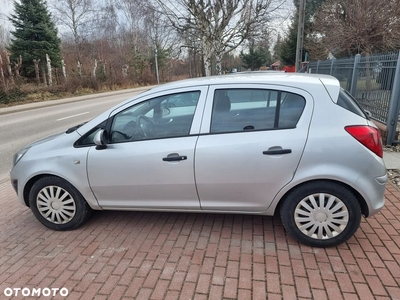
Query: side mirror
(99,140)
(368,113)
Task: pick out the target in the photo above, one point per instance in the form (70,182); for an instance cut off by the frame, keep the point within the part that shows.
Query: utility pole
(156,60)
(300,35)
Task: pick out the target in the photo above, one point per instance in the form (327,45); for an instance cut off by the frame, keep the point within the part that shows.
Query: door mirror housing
(99,140)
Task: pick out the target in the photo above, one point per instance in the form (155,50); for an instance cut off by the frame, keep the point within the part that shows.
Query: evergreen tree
(276,49)
(35,35)
(255,58)
(163,56)
(288,47)
(287,51)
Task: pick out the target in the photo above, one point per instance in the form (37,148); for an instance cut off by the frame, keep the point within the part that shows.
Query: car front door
(149,158)
(256,136)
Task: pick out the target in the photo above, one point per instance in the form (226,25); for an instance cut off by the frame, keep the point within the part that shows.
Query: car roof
(331,84)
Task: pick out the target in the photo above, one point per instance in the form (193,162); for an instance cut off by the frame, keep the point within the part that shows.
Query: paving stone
(145,255)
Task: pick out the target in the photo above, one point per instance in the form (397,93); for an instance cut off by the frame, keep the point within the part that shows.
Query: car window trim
(277,109)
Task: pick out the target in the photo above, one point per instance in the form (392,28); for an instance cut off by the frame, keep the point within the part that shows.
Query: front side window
(236,110)
(161,117)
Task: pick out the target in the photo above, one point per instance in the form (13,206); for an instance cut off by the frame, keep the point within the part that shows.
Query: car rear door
(253,139)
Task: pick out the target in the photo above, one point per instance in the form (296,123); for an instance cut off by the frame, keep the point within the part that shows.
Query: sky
(6,7)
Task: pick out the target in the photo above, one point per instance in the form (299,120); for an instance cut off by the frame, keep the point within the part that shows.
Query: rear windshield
(347,101)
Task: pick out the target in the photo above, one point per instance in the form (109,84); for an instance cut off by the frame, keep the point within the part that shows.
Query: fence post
(317,66)
(394,106)
(332,64)
(354,78)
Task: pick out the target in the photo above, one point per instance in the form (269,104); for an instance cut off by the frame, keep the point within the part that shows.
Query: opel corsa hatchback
(293,144)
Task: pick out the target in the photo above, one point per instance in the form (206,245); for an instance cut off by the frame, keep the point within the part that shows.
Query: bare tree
(359,26)
(64,71)
(163,37)
(49,70)
(196,66)
(17,66)
(219,25)
(6,8)
(9,69)
(132,14)
(4,41)
(108,19)
(77,16)
(3,80)
(4,36)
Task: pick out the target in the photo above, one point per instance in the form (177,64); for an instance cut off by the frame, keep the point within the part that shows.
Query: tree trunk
(10,73)
(202,67)
(190,64)
(17,66)
(207,53)
(44,76)
(49,71)
(207,62)
(368,83)
(218,63)
(104,69)
(79,65)
(2,74)
(207,66)
(125,70)
(36,63)
(94,69)
(64,72)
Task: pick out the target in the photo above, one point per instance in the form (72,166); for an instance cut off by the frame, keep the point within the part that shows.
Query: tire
(316,225)
(57,204)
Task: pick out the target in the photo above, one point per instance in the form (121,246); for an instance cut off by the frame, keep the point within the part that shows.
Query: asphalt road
(20,125)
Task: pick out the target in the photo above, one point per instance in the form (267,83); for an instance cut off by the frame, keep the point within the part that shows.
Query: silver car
(262,143)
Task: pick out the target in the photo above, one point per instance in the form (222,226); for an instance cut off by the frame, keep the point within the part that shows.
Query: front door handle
(277,151)
(174,157)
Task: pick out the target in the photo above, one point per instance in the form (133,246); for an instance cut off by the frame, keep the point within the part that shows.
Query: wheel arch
(360,198)
(62,206)
(30,183)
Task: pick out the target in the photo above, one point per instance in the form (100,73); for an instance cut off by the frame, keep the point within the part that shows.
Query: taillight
(369,136)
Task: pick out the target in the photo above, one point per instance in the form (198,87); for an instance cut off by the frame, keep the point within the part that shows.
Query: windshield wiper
(72,129)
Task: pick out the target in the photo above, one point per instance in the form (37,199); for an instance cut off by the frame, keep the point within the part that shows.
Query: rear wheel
(321,214)
(57,204)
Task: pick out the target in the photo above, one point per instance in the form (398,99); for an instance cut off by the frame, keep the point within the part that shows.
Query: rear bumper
(372,189)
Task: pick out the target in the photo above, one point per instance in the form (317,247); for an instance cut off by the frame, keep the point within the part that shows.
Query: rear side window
(236,110)
(347,101)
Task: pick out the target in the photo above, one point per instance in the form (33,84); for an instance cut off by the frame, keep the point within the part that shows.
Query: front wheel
(57,204)
(321,214)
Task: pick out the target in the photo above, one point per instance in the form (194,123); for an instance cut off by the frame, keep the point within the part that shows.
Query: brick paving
(139,255)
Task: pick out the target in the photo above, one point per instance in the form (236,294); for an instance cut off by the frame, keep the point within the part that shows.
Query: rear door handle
(174,157)
(277,152)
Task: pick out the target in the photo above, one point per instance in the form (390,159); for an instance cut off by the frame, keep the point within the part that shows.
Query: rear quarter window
(347,101)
